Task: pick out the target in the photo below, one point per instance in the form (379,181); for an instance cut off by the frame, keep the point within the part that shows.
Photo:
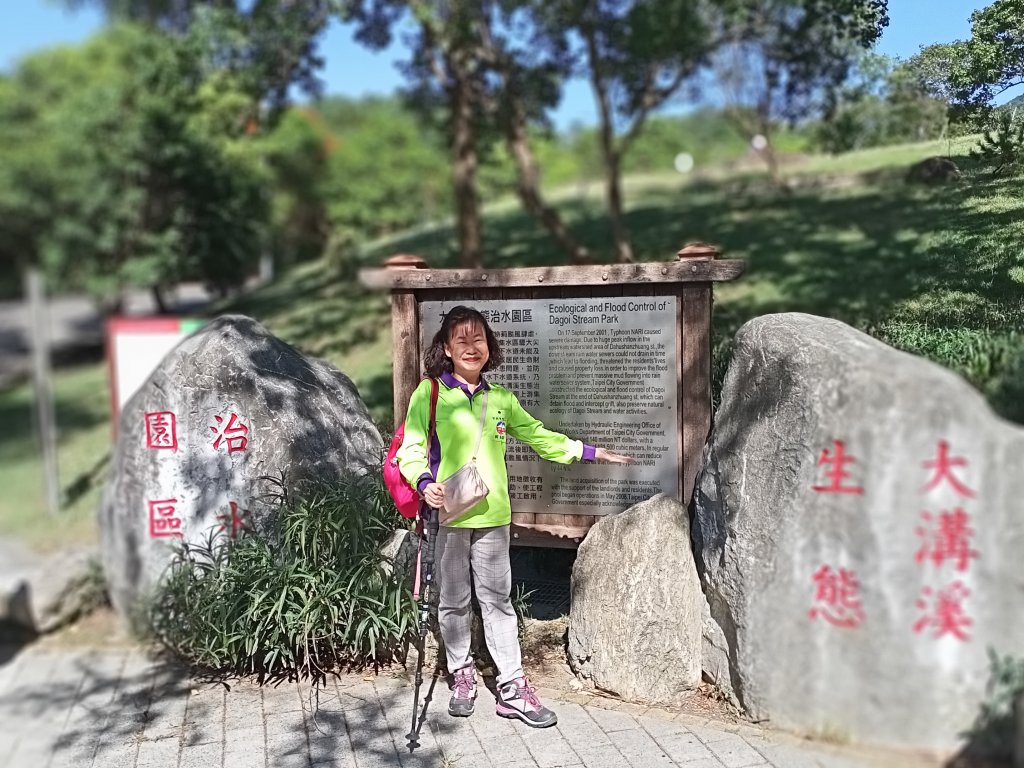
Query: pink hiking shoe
(518,699)
(463,693)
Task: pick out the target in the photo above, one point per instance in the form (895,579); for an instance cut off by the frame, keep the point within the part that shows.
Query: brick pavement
(77,709)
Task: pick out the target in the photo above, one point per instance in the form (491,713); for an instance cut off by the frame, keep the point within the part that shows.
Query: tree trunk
(609,153)
(528,186)
(467,204)
(613,173)
(158,299)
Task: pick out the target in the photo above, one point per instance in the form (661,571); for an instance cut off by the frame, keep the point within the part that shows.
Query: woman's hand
(603,454)
(433,493)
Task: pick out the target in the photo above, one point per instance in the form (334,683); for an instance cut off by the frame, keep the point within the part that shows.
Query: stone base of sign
(635,616)
(858,533)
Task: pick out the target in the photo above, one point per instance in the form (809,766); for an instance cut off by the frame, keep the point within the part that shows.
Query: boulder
(399,555)
(42,592)
(858,532)
(635,616)
(228,407)
(933,170)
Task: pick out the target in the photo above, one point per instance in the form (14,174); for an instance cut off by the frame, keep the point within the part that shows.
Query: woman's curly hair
(436,362)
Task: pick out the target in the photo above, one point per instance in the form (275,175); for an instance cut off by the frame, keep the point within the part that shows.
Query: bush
(1002,146)
(302,599)
(992,733)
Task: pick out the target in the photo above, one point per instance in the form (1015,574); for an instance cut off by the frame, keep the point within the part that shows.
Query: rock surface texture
(42,592)
(635,616)
(859,527)
(228,407)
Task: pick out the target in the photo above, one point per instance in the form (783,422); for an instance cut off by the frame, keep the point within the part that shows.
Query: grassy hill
(938,271)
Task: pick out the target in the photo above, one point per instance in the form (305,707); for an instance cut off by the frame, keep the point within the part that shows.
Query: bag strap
(434,388)
(483,418)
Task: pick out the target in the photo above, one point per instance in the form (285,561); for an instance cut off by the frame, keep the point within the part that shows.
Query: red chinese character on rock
(837,472)
(163,518)
(947,612)
(943,465)
(234,433)
(235,520)
(837,598)
(161,430)
(948,538)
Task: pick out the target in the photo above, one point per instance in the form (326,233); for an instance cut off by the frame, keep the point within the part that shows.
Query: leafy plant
(1002,145)
(992,733)
(308,595)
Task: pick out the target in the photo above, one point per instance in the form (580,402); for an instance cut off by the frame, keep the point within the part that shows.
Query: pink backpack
(405,496)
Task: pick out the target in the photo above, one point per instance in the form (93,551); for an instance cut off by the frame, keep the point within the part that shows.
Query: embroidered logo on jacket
(499,429)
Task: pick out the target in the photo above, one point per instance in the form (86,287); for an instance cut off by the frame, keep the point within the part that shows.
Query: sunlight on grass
(83,446)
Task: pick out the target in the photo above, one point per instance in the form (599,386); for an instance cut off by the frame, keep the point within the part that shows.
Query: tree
(118,180)
(297,153)
(783,59)
(268,46)
(446,71)
(992,60)
(636,54)
(883,102)
(530,66)
(386,169)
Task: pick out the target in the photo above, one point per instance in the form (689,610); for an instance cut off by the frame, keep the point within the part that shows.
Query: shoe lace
(528,693)
(463,686)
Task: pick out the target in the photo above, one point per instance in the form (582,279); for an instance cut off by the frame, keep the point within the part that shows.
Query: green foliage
(296,153)
(992,60)
(111,175)
(303,598)
(993,732)
(386,172)
(267,46)
(1002,146)
(883,103)
(784,58)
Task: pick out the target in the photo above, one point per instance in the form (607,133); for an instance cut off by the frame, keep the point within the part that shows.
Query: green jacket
(458,424)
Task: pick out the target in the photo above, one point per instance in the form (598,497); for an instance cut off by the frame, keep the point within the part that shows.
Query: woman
(469,409)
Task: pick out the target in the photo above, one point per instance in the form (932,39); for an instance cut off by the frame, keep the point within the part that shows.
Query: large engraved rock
(858,529)
(635,618)
(228,406)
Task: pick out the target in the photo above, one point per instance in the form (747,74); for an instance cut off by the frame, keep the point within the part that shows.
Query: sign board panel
(602,370)
(135,347)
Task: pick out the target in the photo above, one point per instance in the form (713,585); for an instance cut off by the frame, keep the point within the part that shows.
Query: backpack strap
(434,389)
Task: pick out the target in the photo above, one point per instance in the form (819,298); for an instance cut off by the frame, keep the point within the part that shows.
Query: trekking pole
(425,596)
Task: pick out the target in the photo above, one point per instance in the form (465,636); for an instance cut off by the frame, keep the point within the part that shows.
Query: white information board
(601,370)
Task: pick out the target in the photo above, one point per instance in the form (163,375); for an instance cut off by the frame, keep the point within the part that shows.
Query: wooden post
(695,332)
(405,335)
(45,418)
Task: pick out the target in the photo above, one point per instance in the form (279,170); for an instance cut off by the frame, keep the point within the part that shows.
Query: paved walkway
(64,709)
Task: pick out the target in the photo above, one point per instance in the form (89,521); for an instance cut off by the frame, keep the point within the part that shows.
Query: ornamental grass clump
(308,596)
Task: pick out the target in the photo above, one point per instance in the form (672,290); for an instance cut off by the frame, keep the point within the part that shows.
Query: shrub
(992,733)
(1002,146)
(307,596)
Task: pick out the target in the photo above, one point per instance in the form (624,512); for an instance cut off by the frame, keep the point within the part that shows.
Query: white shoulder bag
(465,487)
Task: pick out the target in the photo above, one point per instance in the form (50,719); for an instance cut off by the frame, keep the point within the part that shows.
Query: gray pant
(485,550)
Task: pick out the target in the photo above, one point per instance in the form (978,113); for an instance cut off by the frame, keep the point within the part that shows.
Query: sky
(29,25)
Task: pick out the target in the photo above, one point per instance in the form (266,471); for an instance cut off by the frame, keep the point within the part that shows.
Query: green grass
(83,444)
(938,271)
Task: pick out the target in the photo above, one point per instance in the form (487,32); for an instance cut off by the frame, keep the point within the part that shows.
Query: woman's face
(467,348)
